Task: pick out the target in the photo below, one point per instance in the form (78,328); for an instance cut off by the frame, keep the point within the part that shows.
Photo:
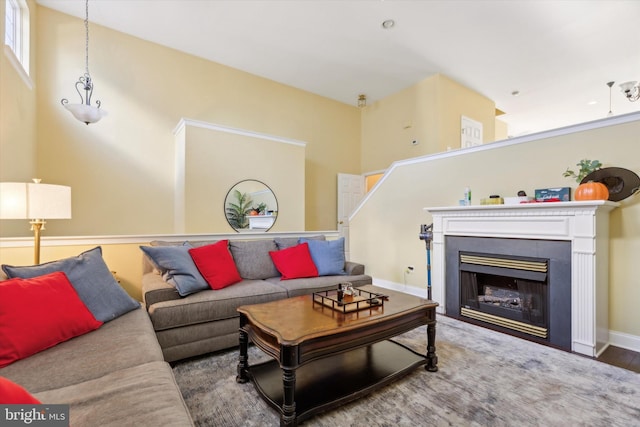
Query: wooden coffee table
(323,357)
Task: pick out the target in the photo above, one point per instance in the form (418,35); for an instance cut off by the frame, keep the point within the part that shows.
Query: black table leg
(243,362)
(432,359)
(288,417)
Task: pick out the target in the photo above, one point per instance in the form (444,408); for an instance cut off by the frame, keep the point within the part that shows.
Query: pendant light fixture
(610,113)
(84,111)
(631,90)
(362,100)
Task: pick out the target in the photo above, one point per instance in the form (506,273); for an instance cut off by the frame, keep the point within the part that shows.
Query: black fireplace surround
(531,302)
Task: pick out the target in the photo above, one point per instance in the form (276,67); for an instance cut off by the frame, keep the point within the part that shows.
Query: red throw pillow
(294,262)
(216,264)
(13,394)
(38,313)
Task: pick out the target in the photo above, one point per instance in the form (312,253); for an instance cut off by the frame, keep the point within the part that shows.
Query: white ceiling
(558,54)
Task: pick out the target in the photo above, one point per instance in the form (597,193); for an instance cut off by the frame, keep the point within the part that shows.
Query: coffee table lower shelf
(332,381)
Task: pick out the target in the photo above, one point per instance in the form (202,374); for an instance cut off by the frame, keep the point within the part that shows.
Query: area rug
(485,378)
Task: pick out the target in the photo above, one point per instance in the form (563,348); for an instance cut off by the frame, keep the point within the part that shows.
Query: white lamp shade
(85,113)
(627,86)
(21,200)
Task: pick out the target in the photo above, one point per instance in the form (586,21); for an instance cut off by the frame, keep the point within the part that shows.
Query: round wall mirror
(250,205)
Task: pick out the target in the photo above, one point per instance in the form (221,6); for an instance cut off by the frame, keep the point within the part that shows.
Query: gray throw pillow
(200,243)
(288,242)
(177,267)
(328,256)
(92,280)
(252,258)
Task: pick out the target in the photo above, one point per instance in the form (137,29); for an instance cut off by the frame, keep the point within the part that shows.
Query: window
(16,34)
(11,25)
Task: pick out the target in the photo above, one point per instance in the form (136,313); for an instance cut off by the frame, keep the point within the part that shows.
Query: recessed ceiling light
(515,93)
(592,102)
(388,24)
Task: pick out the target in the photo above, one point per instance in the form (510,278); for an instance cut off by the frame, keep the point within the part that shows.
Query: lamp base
(36,225)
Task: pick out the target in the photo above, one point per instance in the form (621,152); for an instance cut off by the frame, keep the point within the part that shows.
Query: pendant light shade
(631,90)
(84,111)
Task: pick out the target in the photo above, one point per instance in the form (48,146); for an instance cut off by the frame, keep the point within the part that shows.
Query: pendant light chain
(84,111)
(86,29)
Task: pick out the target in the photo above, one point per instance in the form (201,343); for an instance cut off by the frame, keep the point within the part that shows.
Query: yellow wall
(454,101)
(384,231)
(17,112)
(390,125)
(502,130)
(216,160)
(124,259)
(121,169)
(371,180)
(429,113)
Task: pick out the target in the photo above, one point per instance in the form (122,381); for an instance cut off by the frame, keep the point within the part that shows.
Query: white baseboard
(624,340)
(617,339)
(411,290)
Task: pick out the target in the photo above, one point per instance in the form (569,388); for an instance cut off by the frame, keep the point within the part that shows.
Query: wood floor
(622,358)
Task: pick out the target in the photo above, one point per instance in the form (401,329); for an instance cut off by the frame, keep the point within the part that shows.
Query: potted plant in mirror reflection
(237,212)
(259,210)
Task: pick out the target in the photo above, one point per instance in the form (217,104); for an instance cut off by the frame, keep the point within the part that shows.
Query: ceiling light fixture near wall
(610,113)
(85,112)
(631,90)
(362,100)
(388,24)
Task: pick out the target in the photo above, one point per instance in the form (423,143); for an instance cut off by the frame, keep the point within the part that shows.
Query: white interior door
(350,192)
(471,132)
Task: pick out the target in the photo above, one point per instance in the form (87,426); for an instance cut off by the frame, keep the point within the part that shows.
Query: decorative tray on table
(342,301)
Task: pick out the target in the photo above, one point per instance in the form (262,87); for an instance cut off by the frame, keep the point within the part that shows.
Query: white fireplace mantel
(584,223)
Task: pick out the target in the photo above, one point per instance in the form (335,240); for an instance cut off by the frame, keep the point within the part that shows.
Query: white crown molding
(212,126)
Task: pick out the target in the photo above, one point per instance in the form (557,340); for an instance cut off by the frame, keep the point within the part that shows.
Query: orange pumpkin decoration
(592,191)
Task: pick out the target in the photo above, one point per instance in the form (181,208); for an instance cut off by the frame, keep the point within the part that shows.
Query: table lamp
(36,202)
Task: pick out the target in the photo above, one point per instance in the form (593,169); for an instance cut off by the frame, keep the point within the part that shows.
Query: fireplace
(577,304)
(505,291)
(518,286)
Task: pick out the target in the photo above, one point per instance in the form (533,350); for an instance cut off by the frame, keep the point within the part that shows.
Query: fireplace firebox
(518,286)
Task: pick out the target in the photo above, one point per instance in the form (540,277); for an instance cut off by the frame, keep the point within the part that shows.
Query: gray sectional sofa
(114,375)
(118,373)
(207,320)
